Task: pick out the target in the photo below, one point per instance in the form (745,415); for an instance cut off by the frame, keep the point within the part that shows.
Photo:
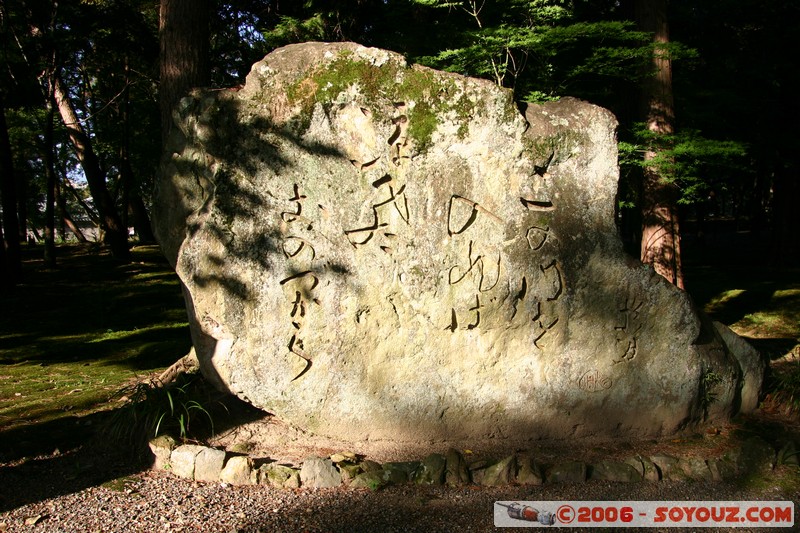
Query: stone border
(202,463)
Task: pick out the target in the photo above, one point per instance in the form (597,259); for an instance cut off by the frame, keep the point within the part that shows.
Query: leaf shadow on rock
(249,156)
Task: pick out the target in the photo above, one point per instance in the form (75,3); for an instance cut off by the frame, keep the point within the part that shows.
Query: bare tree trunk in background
(131,197)
(5,279)
(22,208)
(141,219)
(661,246)
(65,217)
(90,213)
(184,39)
(50,173)
(8,191)
(116,235)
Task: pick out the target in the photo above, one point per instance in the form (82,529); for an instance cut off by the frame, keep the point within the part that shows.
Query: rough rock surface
(182,460)
(319,472)
(237,470)
(376,250)
(208,464)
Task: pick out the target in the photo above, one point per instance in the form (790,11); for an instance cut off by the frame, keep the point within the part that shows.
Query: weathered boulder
(320,473)
(238,470)
(208,464)
(644,467)
(161,449)
(614,471)
(457,470)
(529,472)
(375,250)
(500,473)
(182,460)
(752,365)
(567,472)
(432,470)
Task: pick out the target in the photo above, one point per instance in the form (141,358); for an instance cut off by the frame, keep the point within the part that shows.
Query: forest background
(79,128)
(82,99)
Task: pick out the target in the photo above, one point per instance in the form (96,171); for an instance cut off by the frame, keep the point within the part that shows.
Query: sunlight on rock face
(391,252)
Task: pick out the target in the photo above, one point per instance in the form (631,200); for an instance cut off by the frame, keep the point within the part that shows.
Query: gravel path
(157,501)
(84,490)
(93,485)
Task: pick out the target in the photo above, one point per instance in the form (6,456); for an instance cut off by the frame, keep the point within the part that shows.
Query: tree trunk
(184,39)
(65,217)
(62,215)
(660,229)
(50,172)
(5,279)
(22,208)
(131,198)
(90,213)
(116,235)
(8,191)
(141,220)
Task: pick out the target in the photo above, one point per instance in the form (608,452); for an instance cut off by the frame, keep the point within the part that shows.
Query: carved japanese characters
(376,250)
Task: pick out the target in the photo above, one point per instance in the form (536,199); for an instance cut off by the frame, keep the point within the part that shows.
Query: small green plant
(708,383)
(151,410)
(785,390)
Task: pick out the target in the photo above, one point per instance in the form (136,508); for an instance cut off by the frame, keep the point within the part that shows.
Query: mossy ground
(71,337)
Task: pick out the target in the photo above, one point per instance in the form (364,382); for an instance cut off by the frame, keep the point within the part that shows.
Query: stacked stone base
(200,463)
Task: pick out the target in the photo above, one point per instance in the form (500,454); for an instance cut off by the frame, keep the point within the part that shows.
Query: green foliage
(496,40)
(694,163)
(785,387)
(603,49)
(323,20)
(294,30)
(180,409)
(708,383)
(539,48)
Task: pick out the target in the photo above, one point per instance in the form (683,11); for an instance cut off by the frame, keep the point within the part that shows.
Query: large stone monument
(376,250)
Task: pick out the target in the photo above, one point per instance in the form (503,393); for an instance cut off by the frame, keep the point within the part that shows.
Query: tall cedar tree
(184,39)
(660,229)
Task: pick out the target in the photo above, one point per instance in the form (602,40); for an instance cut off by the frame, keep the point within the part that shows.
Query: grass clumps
(182,409)
(784,385)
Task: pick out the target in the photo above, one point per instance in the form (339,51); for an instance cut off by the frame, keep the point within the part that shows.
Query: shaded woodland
(703,93)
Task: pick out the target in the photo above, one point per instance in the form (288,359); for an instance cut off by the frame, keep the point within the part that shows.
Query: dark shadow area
(143,350)
(64,434)
(45,460)
(57,314)
(734,263)
(772,348)
(239,192)
(66,455)
(70,338)
(440,509)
